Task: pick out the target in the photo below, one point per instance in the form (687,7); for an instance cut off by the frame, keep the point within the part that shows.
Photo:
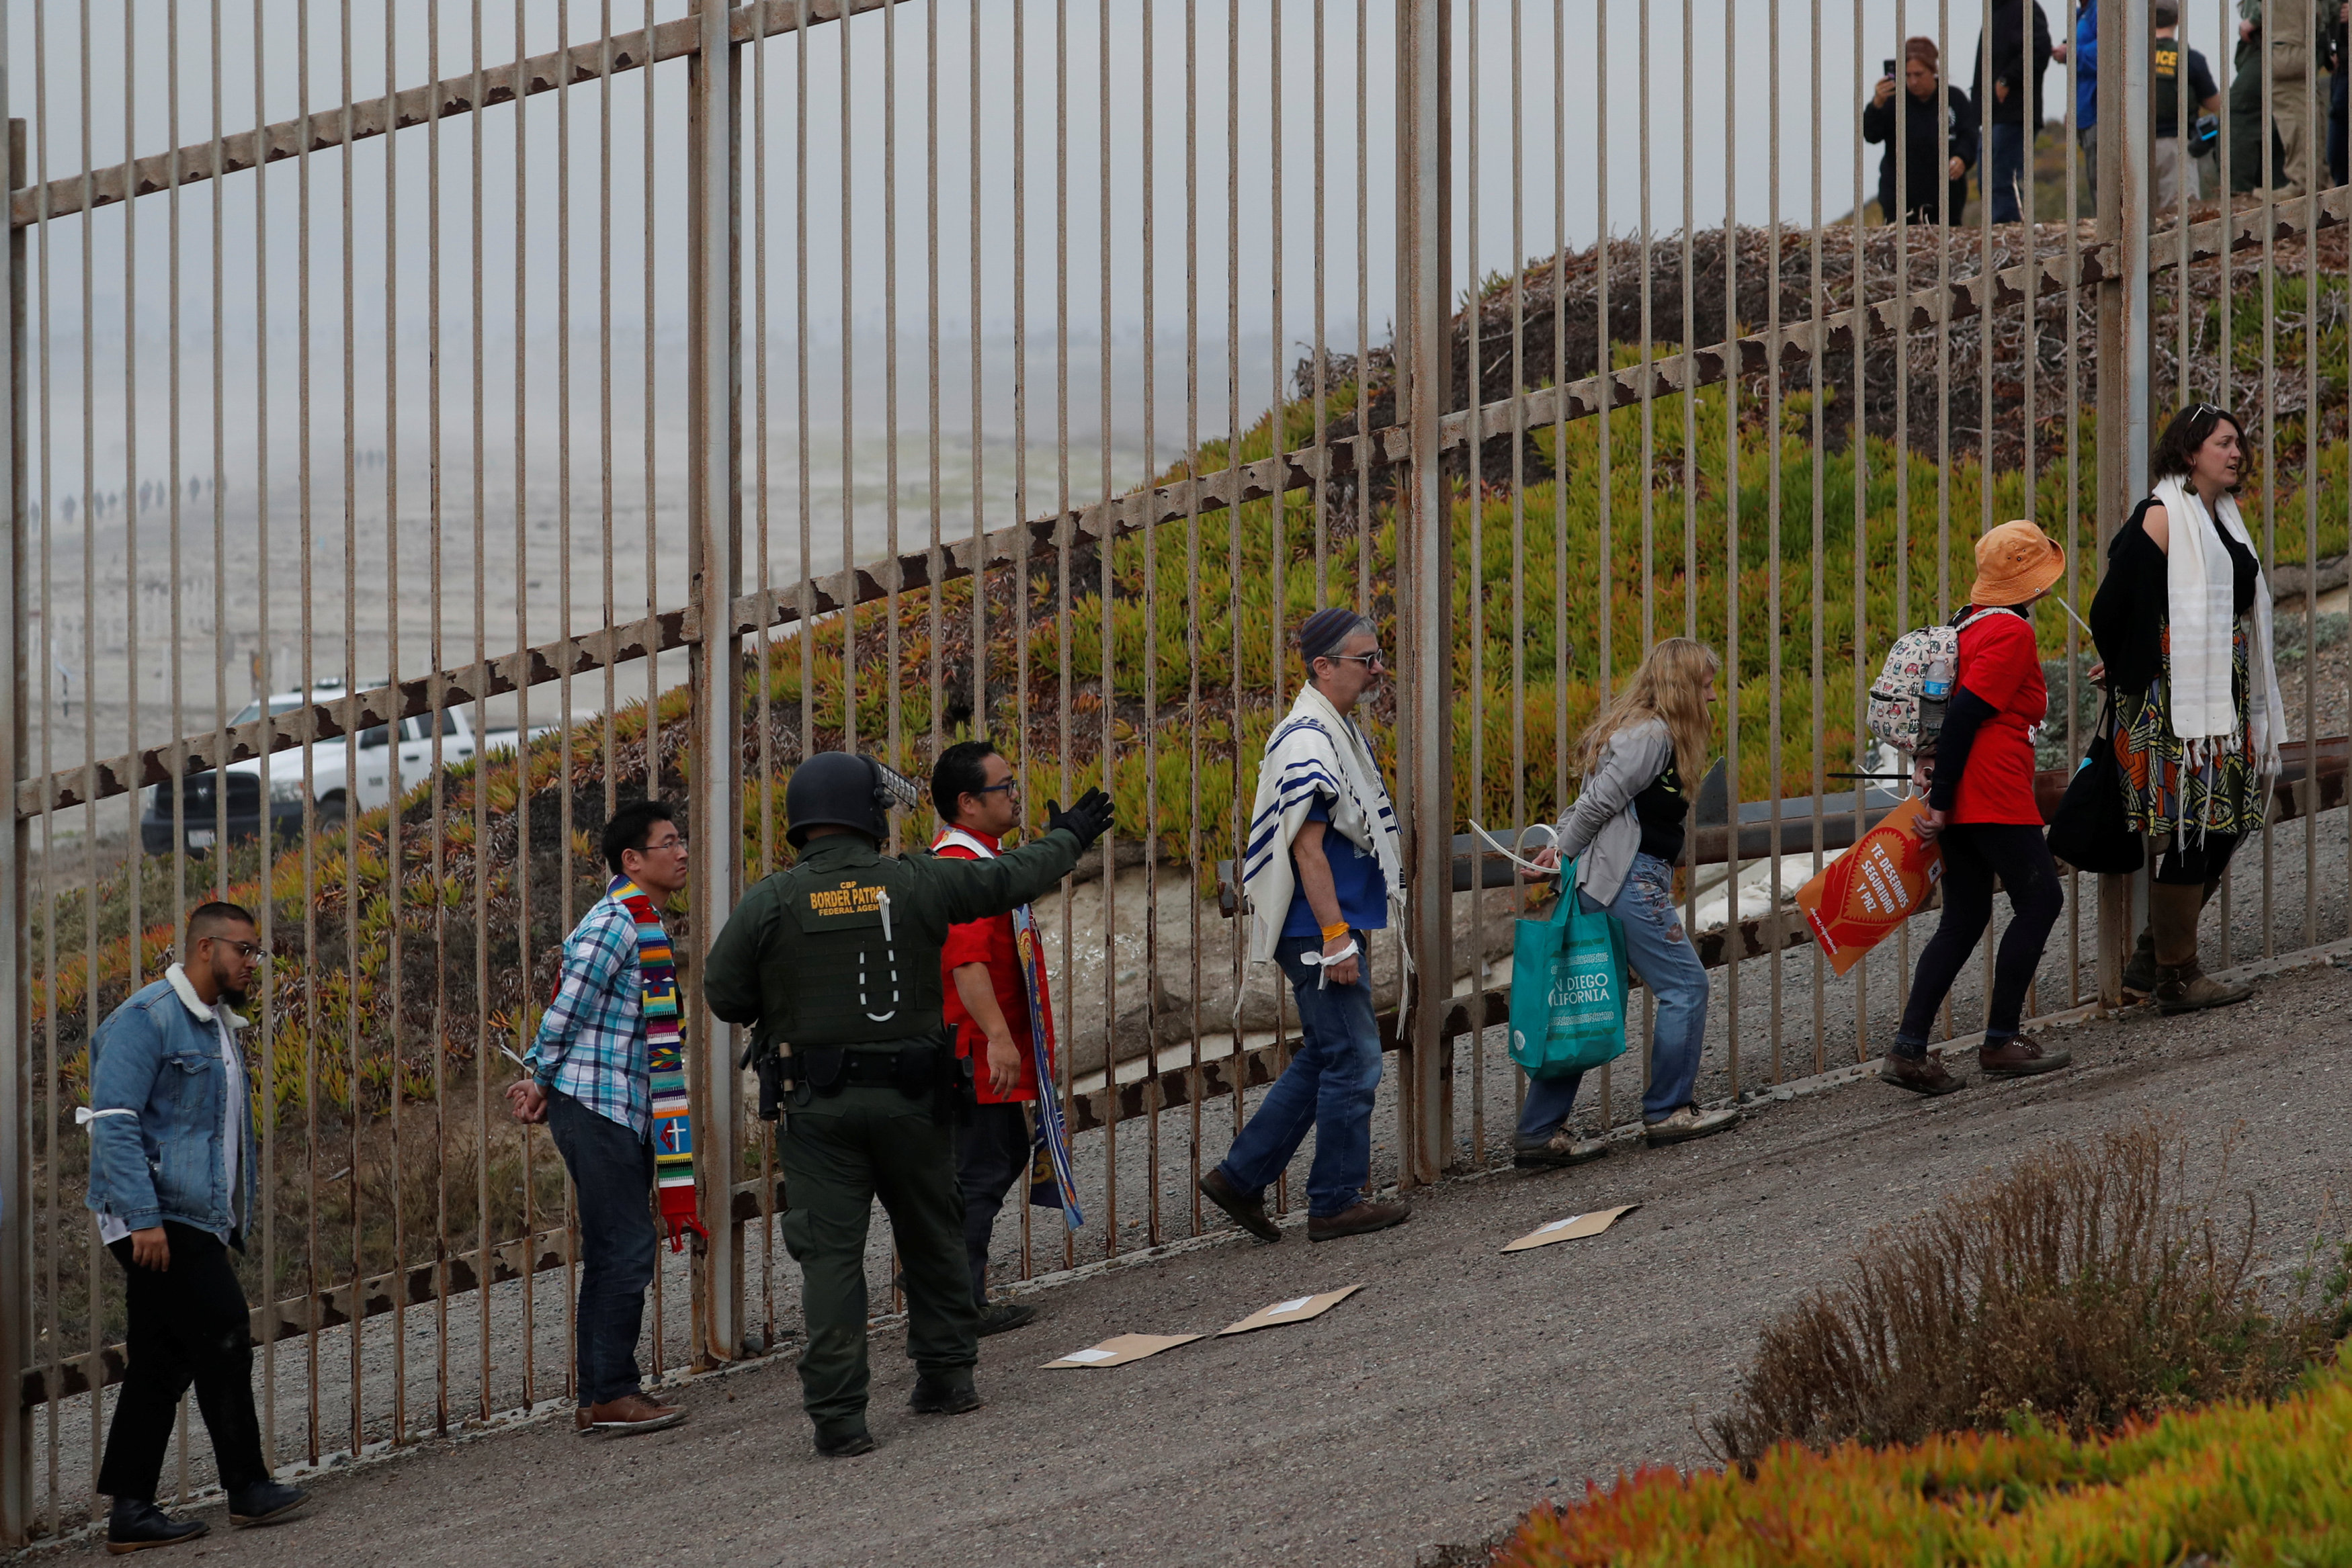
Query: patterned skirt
(2162,791)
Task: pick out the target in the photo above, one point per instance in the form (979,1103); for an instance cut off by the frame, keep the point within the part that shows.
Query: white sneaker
(1689,1123)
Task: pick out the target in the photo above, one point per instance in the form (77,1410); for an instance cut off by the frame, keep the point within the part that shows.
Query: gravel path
(1457,1387)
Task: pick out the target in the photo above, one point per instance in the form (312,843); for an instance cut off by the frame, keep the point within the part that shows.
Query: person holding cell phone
(1939,140)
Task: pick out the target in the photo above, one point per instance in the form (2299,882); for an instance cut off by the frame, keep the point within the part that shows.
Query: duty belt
(876,1068)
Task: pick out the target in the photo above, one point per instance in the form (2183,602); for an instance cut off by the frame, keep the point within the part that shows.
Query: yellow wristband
(1333,931)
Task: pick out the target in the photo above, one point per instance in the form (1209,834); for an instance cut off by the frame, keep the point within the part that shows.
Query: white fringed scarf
(2201,582)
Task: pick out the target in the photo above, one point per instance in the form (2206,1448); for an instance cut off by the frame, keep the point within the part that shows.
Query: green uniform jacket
(843,949)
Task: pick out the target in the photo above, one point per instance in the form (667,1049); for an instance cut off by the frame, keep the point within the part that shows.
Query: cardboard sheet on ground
(1575,1228)
(1120,1349)
(1295,1309)
(1864,893)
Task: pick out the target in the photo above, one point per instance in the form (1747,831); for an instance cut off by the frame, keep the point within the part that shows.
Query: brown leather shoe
(1365,1217)
(626,1417)
(1921,1075)
(2020,1056)
(1249,1211)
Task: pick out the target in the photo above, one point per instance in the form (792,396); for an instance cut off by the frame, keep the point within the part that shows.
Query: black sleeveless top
(1660,808)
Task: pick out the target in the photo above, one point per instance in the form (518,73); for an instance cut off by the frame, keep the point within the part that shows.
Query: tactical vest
(849,967)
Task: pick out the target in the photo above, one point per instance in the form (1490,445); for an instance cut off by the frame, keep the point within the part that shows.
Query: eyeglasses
(254,952)
(1371,661)
(1010,786)
(676,843)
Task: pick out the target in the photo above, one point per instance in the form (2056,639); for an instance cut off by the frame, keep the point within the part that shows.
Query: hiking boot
(1362,1219)
(1562,1148)
(1005,1316)
(2188,989)
(2139,973)
(1249,1211)
(625,1417)
(1920,1075)
(1689,1123)
(266,1502)
(943,1394)
(136,1525)
(843,1442)
(2020,1056)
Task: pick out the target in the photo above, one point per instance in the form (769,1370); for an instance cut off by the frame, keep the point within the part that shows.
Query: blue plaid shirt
(591,1039)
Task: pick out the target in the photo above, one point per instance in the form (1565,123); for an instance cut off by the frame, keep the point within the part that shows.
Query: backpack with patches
(1907,701)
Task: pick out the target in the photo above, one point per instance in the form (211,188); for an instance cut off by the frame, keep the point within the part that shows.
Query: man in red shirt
(987,1006)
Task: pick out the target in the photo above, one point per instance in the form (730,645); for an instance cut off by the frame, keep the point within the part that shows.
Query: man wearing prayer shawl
(1322,870)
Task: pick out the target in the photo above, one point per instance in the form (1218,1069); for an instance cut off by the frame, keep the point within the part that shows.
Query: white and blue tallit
(1315,751)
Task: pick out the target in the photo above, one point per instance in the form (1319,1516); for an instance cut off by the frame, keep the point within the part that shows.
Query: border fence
(400,477)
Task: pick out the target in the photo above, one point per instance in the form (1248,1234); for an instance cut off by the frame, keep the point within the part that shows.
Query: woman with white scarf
(2182,621)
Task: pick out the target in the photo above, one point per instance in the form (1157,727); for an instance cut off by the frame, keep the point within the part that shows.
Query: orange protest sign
(1873,888)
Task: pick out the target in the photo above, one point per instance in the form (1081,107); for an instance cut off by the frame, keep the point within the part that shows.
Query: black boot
(1005,1316)
(943,1394)
(266,1502)
(136,1524)
(843,1442)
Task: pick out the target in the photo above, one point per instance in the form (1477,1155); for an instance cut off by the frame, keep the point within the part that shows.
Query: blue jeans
(2004,171)
(1668,965)
(613,1171)
(1327,1086)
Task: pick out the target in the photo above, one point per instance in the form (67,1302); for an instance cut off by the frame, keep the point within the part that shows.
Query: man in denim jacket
(171,1182)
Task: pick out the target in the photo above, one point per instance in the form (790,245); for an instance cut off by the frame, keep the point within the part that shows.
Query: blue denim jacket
(156,1083)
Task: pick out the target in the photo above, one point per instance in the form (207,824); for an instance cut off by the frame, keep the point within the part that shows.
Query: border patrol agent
(836,961)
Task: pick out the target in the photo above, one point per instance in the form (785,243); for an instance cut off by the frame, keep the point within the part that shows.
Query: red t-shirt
(2000,664)
(988,942)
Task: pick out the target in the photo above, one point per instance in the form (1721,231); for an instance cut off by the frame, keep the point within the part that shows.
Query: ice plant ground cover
(2241,1483)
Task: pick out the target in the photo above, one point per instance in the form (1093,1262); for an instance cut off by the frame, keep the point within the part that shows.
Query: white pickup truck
(341,777)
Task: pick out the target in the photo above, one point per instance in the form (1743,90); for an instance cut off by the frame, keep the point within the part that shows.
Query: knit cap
(1323,632)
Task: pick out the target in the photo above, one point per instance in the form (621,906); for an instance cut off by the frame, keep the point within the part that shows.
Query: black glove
(1087,819)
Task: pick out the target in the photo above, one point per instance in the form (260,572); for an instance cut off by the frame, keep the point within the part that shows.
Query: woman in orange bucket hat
(1980,807)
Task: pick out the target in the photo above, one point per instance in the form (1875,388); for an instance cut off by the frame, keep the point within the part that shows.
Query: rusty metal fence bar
(1783,386)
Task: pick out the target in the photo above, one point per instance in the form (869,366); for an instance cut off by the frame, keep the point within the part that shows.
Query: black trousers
(613,1171)
(2180,863)
(1975,853)
(189,1325)
(992,1153)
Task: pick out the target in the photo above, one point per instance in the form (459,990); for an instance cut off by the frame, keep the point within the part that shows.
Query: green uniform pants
(839,1153)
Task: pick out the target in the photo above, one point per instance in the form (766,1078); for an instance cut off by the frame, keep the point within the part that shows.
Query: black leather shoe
(267,1502)
(944,1395)
(845,1443)
(135,1525)
(1006,1315)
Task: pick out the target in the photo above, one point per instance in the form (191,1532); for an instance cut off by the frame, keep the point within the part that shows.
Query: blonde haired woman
(1624,833)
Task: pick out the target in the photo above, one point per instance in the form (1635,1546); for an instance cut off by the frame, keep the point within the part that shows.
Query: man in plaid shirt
(592,1082)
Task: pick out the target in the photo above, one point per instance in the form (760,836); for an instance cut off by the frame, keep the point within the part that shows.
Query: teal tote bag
(1568,988)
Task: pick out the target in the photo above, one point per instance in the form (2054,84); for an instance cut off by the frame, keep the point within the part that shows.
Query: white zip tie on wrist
(1324,961)
(1514,857)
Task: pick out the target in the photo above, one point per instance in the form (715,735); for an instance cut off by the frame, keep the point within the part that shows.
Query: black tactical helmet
(840,789)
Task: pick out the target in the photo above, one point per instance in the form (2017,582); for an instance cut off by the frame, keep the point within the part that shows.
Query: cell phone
(1887,67)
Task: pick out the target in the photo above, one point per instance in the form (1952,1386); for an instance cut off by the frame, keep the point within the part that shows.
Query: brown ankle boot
(2188,989)
(2139,970)
(2181,984)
